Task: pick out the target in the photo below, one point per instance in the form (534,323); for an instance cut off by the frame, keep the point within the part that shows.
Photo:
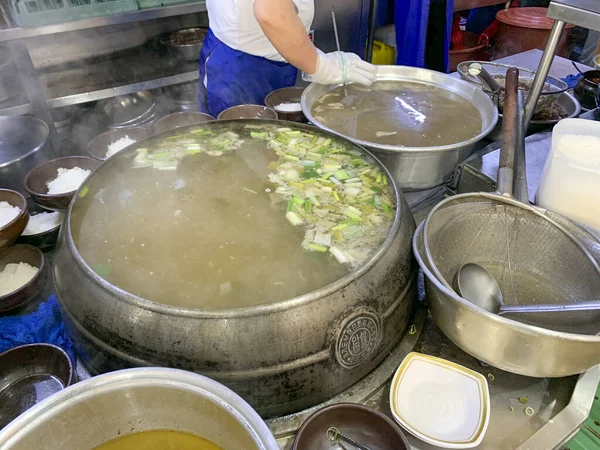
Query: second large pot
(415,168)
(281,357)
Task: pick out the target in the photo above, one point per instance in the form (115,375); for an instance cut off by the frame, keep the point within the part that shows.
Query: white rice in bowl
(8,213)
(68,180)
(119,145)
(15,276)
(41,222)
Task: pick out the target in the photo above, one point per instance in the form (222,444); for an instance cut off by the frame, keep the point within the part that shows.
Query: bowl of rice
(286,102)
(107,144)
(53,184)
(43,227)
(21,275)
(13,216)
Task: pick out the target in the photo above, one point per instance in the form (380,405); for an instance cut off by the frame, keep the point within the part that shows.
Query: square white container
(570,183)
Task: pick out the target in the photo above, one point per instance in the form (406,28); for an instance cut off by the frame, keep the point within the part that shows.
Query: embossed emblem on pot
(358,339)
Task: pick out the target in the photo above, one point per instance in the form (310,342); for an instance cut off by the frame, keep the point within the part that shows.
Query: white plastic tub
(570,183)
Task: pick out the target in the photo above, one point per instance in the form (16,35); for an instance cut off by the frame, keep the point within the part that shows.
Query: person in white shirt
(256,46)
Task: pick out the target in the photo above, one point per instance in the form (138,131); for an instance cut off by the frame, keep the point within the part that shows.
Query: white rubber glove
(341,67)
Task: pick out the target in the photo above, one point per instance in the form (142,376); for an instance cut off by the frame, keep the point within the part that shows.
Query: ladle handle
(520,188)
(591,305)
(510,123)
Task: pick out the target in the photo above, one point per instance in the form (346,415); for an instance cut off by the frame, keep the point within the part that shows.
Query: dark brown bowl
(29,374)
(45,241)
(98,146)
(586,89)
(11,231)
(181,119)
(248,112)
(36,181)
(32,256)
(286,95)
(366,426)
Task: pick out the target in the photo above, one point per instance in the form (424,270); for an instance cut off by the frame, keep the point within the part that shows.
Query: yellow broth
(213,233)
(399,113)
(159,440)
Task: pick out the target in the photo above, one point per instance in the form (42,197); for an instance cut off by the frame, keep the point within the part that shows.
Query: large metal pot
(504,343)
(103,408)
(280,357)
(416,168)
(22,147)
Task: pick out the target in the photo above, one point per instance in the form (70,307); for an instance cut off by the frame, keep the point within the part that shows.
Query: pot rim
(145,376)
(485,315)
(395,149)
(246,311)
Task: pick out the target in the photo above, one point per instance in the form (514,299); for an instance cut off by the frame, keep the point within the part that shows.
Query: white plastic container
(570,183)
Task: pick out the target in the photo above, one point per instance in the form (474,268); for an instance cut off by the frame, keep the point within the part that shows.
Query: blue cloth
(571,80)
(237,78)
(481,18)
(423,29)
(42,326)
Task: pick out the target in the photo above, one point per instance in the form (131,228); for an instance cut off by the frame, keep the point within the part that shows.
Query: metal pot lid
(529,17)
(19,137)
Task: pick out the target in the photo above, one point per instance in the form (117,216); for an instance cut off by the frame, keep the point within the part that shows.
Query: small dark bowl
(36,181)
(29,374)
(46,240)
(286,95)
(248,112)
(11,231)
(366,426)
(586,89)
(98,146)
(181,119)
(32,256)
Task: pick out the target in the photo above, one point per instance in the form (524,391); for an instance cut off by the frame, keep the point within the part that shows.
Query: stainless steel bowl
(566,101)
(128,110)
(22,147)
(181,119)
(416,168)
(103,408)
(178,49)
(504,343)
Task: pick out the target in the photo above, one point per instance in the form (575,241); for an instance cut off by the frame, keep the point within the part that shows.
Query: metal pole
(371,30)
(543,69)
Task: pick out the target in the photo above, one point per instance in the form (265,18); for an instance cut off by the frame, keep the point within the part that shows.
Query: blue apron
(236,78)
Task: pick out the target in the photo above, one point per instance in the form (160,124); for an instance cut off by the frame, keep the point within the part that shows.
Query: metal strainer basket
(553,87)
(533,258)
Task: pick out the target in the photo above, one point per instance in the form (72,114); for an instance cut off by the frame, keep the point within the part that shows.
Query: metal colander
(553,87)
(534,258)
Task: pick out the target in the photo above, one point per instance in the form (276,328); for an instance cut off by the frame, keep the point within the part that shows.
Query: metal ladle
(334,436)
(478,286)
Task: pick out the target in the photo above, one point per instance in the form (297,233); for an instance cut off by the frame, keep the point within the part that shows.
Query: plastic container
(523,29)
(570,183)
(383,55)
(33,13)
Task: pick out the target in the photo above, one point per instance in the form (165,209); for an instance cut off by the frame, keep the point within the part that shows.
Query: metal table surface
(561,405)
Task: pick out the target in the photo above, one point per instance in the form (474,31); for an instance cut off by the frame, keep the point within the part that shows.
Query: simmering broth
(219,228)
(159,440)
(399,113)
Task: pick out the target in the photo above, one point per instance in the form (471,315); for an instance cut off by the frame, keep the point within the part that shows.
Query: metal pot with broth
(255,252)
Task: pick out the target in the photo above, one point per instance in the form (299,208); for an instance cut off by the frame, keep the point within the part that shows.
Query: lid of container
(20,136)
(528,17)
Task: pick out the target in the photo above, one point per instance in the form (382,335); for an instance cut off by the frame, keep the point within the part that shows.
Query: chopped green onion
(293,218)
(315,247)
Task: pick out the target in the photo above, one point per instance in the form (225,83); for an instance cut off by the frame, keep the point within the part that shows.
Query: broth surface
(209,234)
(159,440)
(399,113)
